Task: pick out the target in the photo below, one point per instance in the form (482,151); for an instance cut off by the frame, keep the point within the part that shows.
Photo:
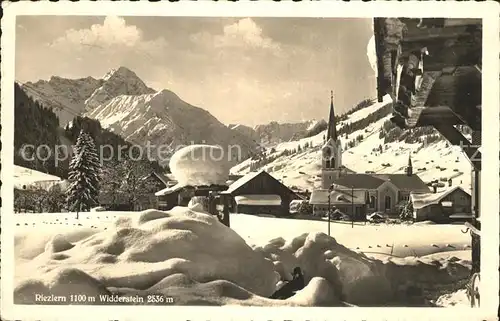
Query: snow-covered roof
(421,200)
(337,197)
(170,190)
(258,199)
(162,177)
(375,215)
(25,176)
(242,181)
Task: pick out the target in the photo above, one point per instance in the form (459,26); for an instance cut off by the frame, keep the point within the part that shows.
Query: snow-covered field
(302,169)
(190,256)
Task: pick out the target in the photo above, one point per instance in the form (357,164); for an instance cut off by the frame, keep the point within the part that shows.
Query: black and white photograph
(280,161)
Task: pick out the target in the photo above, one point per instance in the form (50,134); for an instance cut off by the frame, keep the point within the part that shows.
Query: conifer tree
(84,175)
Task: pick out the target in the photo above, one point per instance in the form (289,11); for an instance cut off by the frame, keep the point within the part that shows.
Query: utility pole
(352,206)
(329,207)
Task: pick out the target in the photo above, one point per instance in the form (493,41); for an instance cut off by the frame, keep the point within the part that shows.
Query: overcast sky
(242,70)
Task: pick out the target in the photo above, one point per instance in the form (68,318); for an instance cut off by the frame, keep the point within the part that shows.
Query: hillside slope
(298,163)
(66,97)
(163,119)
(125,105)
(274,133)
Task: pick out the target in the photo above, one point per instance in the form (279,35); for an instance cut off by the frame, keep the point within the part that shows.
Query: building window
(388,203)
(327,164)
(372,201)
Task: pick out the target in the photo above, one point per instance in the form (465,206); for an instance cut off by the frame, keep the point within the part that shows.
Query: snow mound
(58,244)
(151,246)
(188,255)
(458,298)
(319,255)
(198,204)
(357,279)
(200,165)
(59,282)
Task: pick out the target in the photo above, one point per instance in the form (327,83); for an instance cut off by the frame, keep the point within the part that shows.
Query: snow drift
(190,256)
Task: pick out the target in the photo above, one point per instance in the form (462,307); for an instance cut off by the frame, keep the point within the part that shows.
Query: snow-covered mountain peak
(121,81)
(120,72)
(165,96)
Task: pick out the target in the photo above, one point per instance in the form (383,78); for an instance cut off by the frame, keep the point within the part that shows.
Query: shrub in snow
(84,175)
(305,208)
(407,211)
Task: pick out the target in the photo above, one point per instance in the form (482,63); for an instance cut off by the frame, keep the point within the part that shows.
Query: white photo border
(489,194)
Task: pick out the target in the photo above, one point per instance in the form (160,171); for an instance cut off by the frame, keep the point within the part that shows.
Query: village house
(454,203)
(260,193)
(180,195)
(345,201)
(120,201)
(385,193)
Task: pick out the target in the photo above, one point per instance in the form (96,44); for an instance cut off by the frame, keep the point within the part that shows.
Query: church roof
(364,181)
(405,182)
(373,181)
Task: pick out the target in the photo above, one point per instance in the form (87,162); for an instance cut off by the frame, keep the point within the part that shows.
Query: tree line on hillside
(423,135)
(124,180)
(362,104)
(35,125)
(346,129)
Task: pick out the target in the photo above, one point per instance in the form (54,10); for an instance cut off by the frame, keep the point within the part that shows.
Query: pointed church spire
(409,169)
(332,124)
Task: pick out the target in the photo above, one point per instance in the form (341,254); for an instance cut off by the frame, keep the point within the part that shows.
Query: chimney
(450,182)
(434,188)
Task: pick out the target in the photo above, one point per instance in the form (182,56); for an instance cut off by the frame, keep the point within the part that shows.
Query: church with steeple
(359,193)
(331,153)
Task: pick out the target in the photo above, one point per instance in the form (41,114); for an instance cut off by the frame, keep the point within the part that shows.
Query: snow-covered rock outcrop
(121,81)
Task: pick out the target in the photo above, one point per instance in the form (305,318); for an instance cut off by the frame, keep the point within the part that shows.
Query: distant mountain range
(274,133)
(123,104)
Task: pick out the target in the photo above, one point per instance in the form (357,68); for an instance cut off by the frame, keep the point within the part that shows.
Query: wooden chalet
(431,68)
(180,195)
(259,193)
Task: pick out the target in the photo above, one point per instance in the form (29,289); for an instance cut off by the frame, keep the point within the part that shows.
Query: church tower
(331,160)
(409,168)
